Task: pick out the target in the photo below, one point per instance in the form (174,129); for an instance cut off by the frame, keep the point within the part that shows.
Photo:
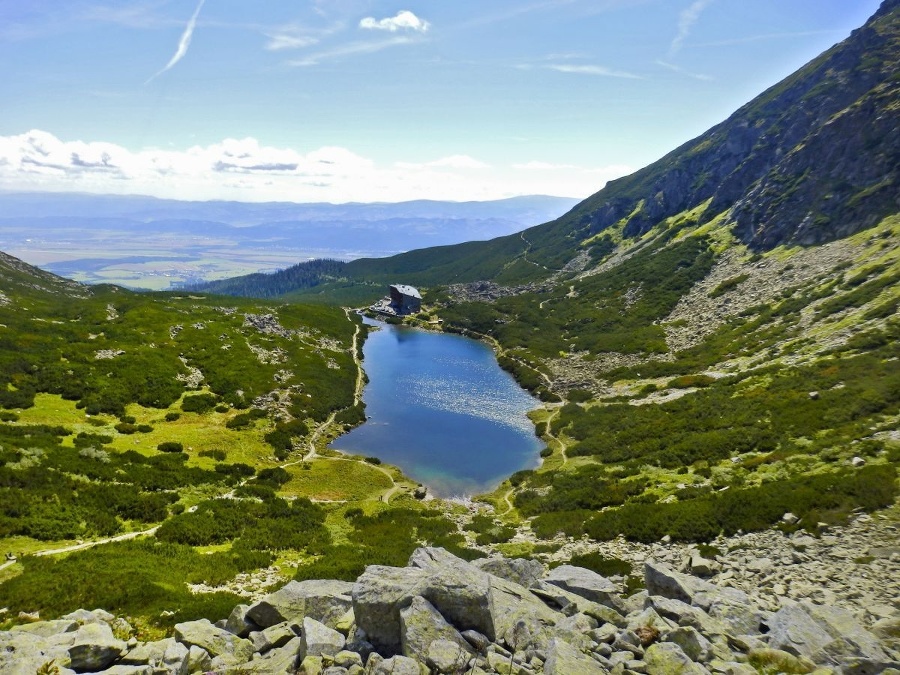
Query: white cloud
(280,41)
(351,49)
(682,71)
(183,44)
(686,20)
(404,20)
(246,170)
(592,70)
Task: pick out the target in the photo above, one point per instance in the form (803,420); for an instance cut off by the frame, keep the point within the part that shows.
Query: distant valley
(156,244)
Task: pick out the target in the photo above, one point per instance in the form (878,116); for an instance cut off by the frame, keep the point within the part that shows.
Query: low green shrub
(170,446)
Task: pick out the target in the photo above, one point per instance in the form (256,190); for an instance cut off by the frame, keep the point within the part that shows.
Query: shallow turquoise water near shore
(443,410)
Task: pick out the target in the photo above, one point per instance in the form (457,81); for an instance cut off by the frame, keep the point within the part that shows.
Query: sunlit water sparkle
(442,410)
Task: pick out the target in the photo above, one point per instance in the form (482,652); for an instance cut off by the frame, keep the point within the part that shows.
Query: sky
(380,100)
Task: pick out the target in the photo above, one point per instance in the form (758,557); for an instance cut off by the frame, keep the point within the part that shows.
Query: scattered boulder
(214,641)
(664,658)
(318,639)
(587,584)
(326,601)
(517,570)
(564,659)
(792,630)
(421,625)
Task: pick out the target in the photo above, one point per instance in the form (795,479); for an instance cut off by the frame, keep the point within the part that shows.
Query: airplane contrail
(183,43)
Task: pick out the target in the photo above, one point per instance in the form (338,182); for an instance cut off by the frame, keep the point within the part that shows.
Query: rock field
(441,614)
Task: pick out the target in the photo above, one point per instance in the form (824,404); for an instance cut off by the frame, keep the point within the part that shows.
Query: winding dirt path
(87,544)
(509,504)
(556,439)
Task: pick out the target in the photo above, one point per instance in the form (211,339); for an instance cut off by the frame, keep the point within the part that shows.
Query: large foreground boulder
(465,596)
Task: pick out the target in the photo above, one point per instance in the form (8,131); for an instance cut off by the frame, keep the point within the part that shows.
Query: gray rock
(587,584)
(83,616)
(733,668)
(346,659)
(24,654)
(605,633)
(239,623)
(792,630)
(378,595)
(648,618)
(281,660)
(92,647)
(856,665)
(460,591)
(326,601)
(318,639)
(684,614)
(842,625)
(396,665)
(198,659)
(564,659)
(666,658)
(357,641)
(466,597)
(703,566)
(215,641)
(127,670)
(273,636)
(887,628)
(46,628)
(478,641)
(420,625)
(636,601)
(166,654)
(445,656)
(176,658)
(692,643)
(312,665)
(662,580)
(517,570)
(739,618)
(577,623)
(569,603)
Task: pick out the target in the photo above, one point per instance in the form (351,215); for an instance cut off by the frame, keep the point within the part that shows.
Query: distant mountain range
(105,238)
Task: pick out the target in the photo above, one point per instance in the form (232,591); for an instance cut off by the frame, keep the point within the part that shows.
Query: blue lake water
(443,410)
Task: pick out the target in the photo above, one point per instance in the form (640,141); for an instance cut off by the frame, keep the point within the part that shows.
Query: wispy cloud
(682,71)
(686,21)
(350,49)
(586,69)
(404,20)
(183,44)
(281,41)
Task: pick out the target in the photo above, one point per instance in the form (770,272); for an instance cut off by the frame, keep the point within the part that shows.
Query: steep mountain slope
(812,159)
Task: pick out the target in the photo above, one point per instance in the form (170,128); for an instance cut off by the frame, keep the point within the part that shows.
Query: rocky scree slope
(441,614)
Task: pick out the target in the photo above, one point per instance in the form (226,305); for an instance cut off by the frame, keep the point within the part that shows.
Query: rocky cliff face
(812,159)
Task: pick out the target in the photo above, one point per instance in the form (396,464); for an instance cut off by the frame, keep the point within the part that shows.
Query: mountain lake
(441,408)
